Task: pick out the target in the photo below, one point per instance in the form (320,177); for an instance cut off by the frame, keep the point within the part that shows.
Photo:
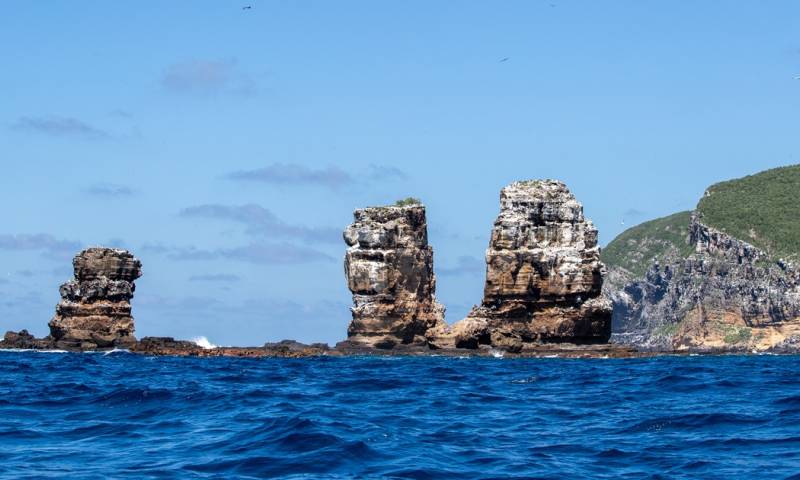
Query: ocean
(121,415)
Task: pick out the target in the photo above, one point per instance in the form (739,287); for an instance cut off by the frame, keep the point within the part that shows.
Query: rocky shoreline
(167,346)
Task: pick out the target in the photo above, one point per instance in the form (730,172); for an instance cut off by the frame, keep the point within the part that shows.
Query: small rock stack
(95,309)
(389,270)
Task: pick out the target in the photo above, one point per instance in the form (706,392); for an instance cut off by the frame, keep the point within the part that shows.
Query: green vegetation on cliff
(761,209)
(635,248)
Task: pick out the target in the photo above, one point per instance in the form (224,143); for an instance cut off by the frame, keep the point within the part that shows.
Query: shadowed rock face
(727,296)
(95,309)
(543,275)
(389,270)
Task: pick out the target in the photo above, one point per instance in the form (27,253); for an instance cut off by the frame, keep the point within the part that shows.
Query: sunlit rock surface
(543,275)
(389,270)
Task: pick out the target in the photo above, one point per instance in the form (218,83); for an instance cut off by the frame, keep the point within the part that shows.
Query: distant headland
(674,285)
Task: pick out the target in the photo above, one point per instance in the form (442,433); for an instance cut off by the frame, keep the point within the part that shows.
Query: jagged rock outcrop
(95,310)
(389,270)
(24,340)
(543,275)
(727,295)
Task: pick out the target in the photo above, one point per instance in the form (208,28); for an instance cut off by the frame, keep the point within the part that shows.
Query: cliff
(543,275)
(713,291)
(389,270)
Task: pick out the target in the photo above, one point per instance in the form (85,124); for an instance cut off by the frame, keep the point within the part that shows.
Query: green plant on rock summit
(407,202)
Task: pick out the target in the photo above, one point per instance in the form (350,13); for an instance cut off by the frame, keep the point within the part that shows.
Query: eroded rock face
(728,295)
(389,270)
(95,309)
(543,274)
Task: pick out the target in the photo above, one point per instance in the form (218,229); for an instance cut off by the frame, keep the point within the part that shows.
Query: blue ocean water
(127,416)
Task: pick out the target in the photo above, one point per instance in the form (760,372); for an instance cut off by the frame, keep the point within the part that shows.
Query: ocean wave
(204,343)
(373,417)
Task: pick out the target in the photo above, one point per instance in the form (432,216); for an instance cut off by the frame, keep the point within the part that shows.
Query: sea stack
(95,309)
(543,275)
(389,270)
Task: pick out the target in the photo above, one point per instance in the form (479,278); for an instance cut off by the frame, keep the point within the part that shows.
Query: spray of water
(203,342)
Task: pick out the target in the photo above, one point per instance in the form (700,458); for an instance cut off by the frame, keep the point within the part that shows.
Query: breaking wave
(203,342)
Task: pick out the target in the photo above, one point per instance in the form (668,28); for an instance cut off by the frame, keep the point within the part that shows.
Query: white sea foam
(116,350)
(203,342)
(497,353)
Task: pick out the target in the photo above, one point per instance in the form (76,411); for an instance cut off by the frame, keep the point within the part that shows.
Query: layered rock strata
(389,270)
(95,309)
(543,275)
(727,295)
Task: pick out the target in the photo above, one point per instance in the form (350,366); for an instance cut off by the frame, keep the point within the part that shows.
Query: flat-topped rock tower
(389,270)
(543,275)
(95,308)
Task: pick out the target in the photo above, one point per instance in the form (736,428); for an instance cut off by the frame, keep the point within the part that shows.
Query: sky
(227,148)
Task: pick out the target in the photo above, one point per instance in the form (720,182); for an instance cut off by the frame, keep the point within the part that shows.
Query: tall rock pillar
(543,274)
(389,270)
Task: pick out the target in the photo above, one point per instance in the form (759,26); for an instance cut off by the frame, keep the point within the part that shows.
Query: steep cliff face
(727,295)
(543,275)
(389,270)
(95,309)
(723,277)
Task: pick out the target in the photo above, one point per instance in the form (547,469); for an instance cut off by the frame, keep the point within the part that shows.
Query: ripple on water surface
(85,416)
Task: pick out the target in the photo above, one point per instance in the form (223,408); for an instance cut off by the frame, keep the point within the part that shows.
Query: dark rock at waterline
(25,341)
(170,346)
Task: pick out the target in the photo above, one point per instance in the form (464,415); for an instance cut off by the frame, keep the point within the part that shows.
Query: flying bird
(247,7)
(503,60)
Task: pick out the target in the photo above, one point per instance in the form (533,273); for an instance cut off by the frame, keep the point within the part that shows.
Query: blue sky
(227,148)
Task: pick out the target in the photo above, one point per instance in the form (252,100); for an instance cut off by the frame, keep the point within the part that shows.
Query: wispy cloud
(48,244)
(110,190)
(257,253)
(465,265)
(207,76)
(292,174)
(633,212)
(120,113)
(386,172)
(25,300)
(261,221)
(217,277)
(59,126)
